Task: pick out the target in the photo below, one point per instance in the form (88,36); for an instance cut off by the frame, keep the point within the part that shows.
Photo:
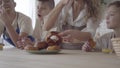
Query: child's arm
(6,18)
(12,33)
(53,15)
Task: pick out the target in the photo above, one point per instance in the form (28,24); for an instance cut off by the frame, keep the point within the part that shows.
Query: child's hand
(86,47)
(23,42)
(20,45)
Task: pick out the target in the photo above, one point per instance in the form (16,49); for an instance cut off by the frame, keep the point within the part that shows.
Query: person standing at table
(13,25)
(75,20)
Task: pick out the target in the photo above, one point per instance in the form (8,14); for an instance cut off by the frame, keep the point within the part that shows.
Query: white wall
(56,1)
(27,7)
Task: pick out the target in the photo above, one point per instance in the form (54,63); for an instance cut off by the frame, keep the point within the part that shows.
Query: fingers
(24,42)
(64,33)
(86,47)
(20,45)
(67,38)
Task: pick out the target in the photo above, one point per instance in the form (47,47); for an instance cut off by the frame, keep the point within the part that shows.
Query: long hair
(114,3)
(93,8)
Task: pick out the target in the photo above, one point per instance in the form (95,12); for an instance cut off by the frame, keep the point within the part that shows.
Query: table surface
(15,58)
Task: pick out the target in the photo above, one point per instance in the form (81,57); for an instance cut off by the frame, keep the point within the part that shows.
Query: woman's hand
(69,35)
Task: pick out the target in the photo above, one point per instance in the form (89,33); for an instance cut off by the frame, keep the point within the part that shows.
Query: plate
(43,51)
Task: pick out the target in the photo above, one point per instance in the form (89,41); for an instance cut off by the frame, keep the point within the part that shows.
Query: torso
(76,11)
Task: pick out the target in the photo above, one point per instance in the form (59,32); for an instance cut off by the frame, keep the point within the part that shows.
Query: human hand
(69,35)
(86,47)
(20,45)
(23,42)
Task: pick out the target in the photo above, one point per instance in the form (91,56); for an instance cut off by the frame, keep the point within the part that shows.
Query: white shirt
(105,41)
(91,26)
(24,23)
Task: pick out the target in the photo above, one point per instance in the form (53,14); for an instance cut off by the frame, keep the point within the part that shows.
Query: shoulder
(107,35)
(23,16)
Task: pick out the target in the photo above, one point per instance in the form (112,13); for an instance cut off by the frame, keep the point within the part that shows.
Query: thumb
(64,33)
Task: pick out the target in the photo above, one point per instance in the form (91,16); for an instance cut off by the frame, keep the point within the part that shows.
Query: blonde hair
(93,8)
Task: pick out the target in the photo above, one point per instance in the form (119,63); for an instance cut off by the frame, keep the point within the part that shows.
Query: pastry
(30,47)
(41,45)
(53,38)
(1,46)
(55,47)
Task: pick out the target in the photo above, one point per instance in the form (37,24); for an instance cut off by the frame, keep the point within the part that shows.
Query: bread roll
(30,47)
(41,45)
(55,47)
(53,38)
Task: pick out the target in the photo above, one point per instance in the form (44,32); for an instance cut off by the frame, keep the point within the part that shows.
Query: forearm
(13,35)
(83,36)
(53,17)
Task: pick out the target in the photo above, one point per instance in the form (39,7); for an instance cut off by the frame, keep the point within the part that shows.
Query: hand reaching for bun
(52,42)
(53,38)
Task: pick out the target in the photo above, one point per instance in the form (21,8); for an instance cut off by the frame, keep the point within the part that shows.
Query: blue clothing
(7,38)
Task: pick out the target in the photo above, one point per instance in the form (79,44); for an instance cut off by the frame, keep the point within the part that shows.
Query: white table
(15,58)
